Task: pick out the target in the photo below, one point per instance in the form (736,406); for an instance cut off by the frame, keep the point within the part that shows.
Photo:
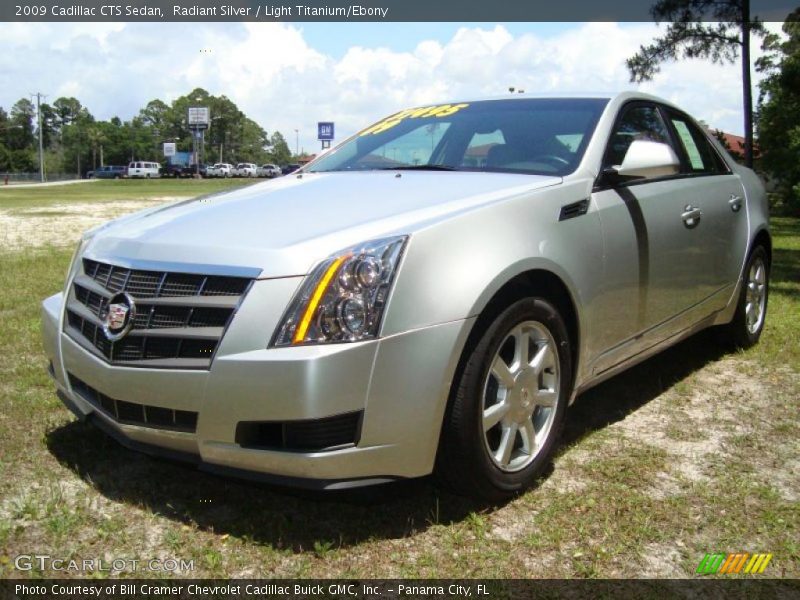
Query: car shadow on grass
(280,517)
(299,521)
(613,400)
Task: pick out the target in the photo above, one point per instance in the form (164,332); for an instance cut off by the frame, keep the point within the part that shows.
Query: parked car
(111,172)
(268,171)
(397,310)
(245,170)
(288,169)
(220,170)
(194,169)
(170,170)
(146,170)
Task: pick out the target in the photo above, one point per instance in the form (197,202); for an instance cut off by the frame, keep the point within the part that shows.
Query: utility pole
(297,143)
(39,122)
(747,88)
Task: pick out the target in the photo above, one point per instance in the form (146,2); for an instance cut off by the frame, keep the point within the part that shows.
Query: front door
(655,267)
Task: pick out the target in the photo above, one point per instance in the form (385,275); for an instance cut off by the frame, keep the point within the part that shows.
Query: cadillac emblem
(119,316)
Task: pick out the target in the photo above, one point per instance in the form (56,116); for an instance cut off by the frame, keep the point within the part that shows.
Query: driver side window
(638,122)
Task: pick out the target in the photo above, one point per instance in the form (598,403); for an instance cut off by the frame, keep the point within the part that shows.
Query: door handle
(735,202)
(691,216)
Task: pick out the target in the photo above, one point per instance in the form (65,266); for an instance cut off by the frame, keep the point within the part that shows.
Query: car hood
(283,227)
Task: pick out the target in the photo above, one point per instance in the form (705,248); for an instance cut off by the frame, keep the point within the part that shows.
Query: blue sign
(325,131)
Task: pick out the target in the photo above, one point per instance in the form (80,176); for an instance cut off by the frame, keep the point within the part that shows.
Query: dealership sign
(198,117)
(325,131)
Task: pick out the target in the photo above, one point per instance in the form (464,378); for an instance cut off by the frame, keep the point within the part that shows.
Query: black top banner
(351,10)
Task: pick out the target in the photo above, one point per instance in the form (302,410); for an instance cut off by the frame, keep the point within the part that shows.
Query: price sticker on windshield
(441,110)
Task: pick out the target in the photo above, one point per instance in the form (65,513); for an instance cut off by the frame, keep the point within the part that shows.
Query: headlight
(343,298)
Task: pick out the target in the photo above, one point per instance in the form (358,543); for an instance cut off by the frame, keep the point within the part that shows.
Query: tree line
(74,141)
(721,32)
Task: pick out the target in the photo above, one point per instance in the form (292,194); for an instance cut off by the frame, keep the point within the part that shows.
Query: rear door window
(700,157)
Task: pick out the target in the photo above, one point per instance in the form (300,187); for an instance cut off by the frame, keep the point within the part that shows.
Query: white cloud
(276,77)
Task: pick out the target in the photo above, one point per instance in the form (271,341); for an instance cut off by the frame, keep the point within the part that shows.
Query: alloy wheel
(756,295)
(520,396)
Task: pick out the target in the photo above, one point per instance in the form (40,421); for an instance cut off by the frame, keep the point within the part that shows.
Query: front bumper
(398,385)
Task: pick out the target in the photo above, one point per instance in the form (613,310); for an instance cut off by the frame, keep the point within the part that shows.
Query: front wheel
(751,310)
(508,404)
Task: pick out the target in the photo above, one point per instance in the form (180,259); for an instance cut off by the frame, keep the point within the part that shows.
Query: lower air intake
(309,435)
(131,413)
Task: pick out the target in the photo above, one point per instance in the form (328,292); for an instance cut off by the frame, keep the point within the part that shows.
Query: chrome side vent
(576,209)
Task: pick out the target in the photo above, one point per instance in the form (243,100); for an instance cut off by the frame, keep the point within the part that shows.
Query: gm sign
(325,131)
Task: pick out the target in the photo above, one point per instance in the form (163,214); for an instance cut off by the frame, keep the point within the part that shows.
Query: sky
(289,76)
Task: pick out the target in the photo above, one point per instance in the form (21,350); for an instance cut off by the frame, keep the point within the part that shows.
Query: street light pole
(297,143)
(39,122)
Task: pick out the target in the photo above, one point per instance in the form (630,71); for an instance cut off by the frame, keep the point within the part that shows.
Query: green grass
(110,190)
(693,451)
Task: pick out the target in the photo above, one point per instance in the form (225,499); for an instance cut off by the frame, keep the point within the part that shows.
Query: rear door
(719,195)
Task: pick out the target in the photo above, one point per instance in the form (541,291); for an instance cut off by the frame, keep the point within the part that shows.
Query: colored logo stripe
(758,563)
(733,563)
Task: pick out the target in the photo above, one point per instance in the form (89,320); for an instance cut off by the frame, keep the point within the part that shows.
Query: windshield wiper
(420,168)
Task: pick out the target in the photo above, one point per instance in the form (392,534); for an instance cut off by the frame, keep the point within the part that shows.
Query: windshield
(542,136)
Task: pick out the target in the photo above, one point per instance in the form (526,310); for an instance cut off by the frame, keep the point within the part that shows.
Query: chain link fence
(11,178)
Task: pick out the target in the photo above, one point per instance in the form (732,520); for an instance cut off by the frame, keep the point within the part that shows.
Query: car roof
(616,96)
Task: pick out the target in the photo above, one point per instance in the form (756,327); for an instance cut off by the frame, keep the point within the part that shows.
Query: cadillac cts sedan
(429,296)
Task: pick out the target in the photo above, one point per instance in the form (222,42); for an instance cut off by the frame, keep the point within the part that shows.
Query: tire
(751,308)
(470,460)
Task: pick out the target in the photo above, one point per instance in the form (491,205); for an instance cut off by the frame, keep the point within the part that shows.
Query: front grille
(131,413)
(309,435)
(180,317)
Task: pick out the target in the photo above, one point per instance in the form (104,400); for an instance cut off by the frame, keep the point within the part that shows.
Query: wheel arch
(539,281)
(762,238)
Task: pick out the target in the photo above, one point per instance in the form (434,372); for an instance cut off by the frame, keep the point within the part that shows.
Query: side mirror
(649,159)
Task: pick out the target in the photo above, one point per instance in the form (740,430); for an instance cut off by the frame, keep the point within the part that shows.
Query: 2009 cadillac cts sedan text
(428,296)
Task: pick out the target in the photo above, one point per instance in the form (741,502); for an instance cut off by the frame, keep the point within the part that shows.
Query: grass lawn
(693,451)
(36,217)
(104,190)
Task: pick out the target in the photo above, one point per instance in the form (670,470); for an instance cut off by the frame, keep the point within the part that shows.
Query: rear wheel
(751,311)
(508,405)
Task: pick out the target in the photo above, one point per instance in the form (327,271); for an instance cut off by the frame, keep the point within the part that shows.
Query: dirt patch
(662,561)
(63,224)
(724,404)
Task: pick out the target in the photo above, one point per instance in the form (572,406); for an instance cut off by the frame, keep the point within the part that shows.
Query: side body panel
(451,271)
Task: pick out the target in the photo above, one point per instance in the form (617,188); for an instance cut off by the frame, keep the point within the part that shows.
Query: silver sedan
(427,297)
